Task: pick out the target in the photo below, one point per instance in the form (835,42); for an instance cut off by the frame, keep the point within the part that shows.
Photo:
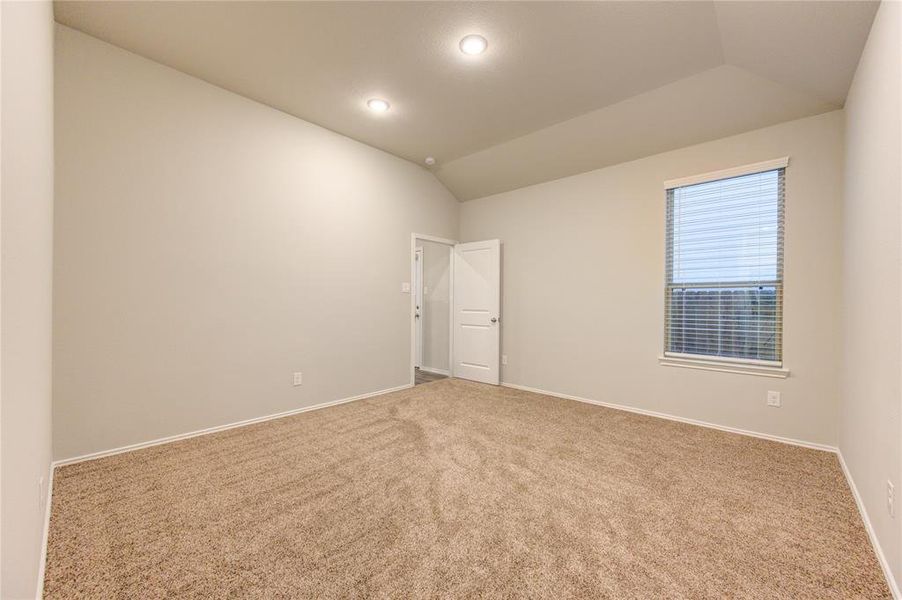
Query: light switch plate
(405,287)
(774,399)
(890,498)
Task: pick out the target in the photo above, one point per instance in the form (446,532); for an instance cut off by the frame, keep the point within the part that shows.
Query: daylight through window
(725,268)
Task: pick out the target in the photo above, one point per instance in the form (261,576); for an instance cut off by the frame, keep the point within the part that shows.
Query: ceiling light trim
(378,105)
(473,44)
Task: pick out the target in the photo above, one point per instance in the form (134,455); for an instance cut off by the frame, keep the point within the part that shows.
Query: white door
(477,311)
(419,306)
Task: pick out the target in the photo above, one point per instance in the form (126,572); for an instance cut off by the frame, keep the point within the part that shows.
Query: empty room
(451,299)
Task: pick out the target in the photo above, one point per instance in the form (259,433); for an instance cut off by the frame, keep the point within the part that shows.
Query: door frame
(418,292)
(413,300)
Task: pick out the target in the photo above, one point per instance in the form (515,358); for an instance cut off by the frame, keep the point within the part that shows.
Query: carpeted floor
(455,489)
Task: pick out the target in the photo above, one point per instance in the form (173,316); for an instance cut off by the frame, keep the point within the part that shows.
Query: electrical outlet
(405,287)
(298,378)
(774,399)
(504,359)
(890,498)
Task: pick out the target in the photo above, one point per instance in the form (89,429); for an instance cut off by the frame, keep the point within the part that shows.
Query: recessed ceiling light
(473,44)
(377,104)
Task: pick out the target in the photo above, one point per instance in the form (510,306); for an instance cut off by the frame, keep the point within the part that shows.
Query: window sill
(740,368)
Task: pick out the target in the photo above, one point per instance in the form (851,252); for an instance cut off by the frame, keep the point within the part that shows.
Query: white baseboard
(166,440)
(39,593)
(437,371)
(875,543)
(669,417)
(884,563)
(184,436)
(878,550)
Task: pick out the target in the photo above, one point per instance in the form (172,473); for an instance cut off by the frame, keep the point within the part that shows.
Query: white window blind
(724,267)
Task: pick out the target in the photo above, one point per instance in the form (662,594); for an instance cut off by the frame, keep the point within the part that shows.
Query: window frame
(749,366)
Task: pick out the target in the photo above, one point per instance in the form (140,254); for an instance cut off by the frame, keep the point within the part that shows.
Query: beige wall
(584,284)
(870,426)
(26,214)
(198,264)
(207,247)
(437,316)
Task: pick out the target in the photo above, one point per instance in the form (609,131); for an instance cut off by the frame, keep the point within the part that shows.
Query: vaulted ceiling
(563,88)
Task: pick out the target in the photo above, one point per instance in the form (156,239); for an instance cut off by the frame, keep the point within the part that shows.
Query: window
(724,264)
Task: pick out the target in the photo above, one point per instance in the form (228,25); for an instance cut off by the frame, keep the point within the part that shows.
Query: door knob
(494,320)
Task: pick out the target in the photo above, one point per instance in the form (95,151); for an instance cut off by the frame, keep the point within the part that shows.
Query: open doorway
(455,310)
(431,301)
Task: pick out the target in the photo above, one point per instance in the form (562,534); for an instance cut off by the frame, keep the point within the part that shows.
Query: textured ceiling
(713,104)
(564,86)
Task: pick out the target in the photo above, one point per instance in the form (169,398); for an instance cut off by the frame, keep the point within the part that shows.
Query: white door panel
(477,311)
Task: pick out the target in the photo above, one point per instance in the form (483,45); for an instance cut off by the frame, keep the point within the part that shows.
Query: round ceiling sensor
(377,104)
(473,44)
(430,161)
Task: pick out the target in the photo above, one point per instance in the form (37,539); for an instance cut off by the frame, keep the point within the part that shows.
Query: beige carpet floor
(456,489)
